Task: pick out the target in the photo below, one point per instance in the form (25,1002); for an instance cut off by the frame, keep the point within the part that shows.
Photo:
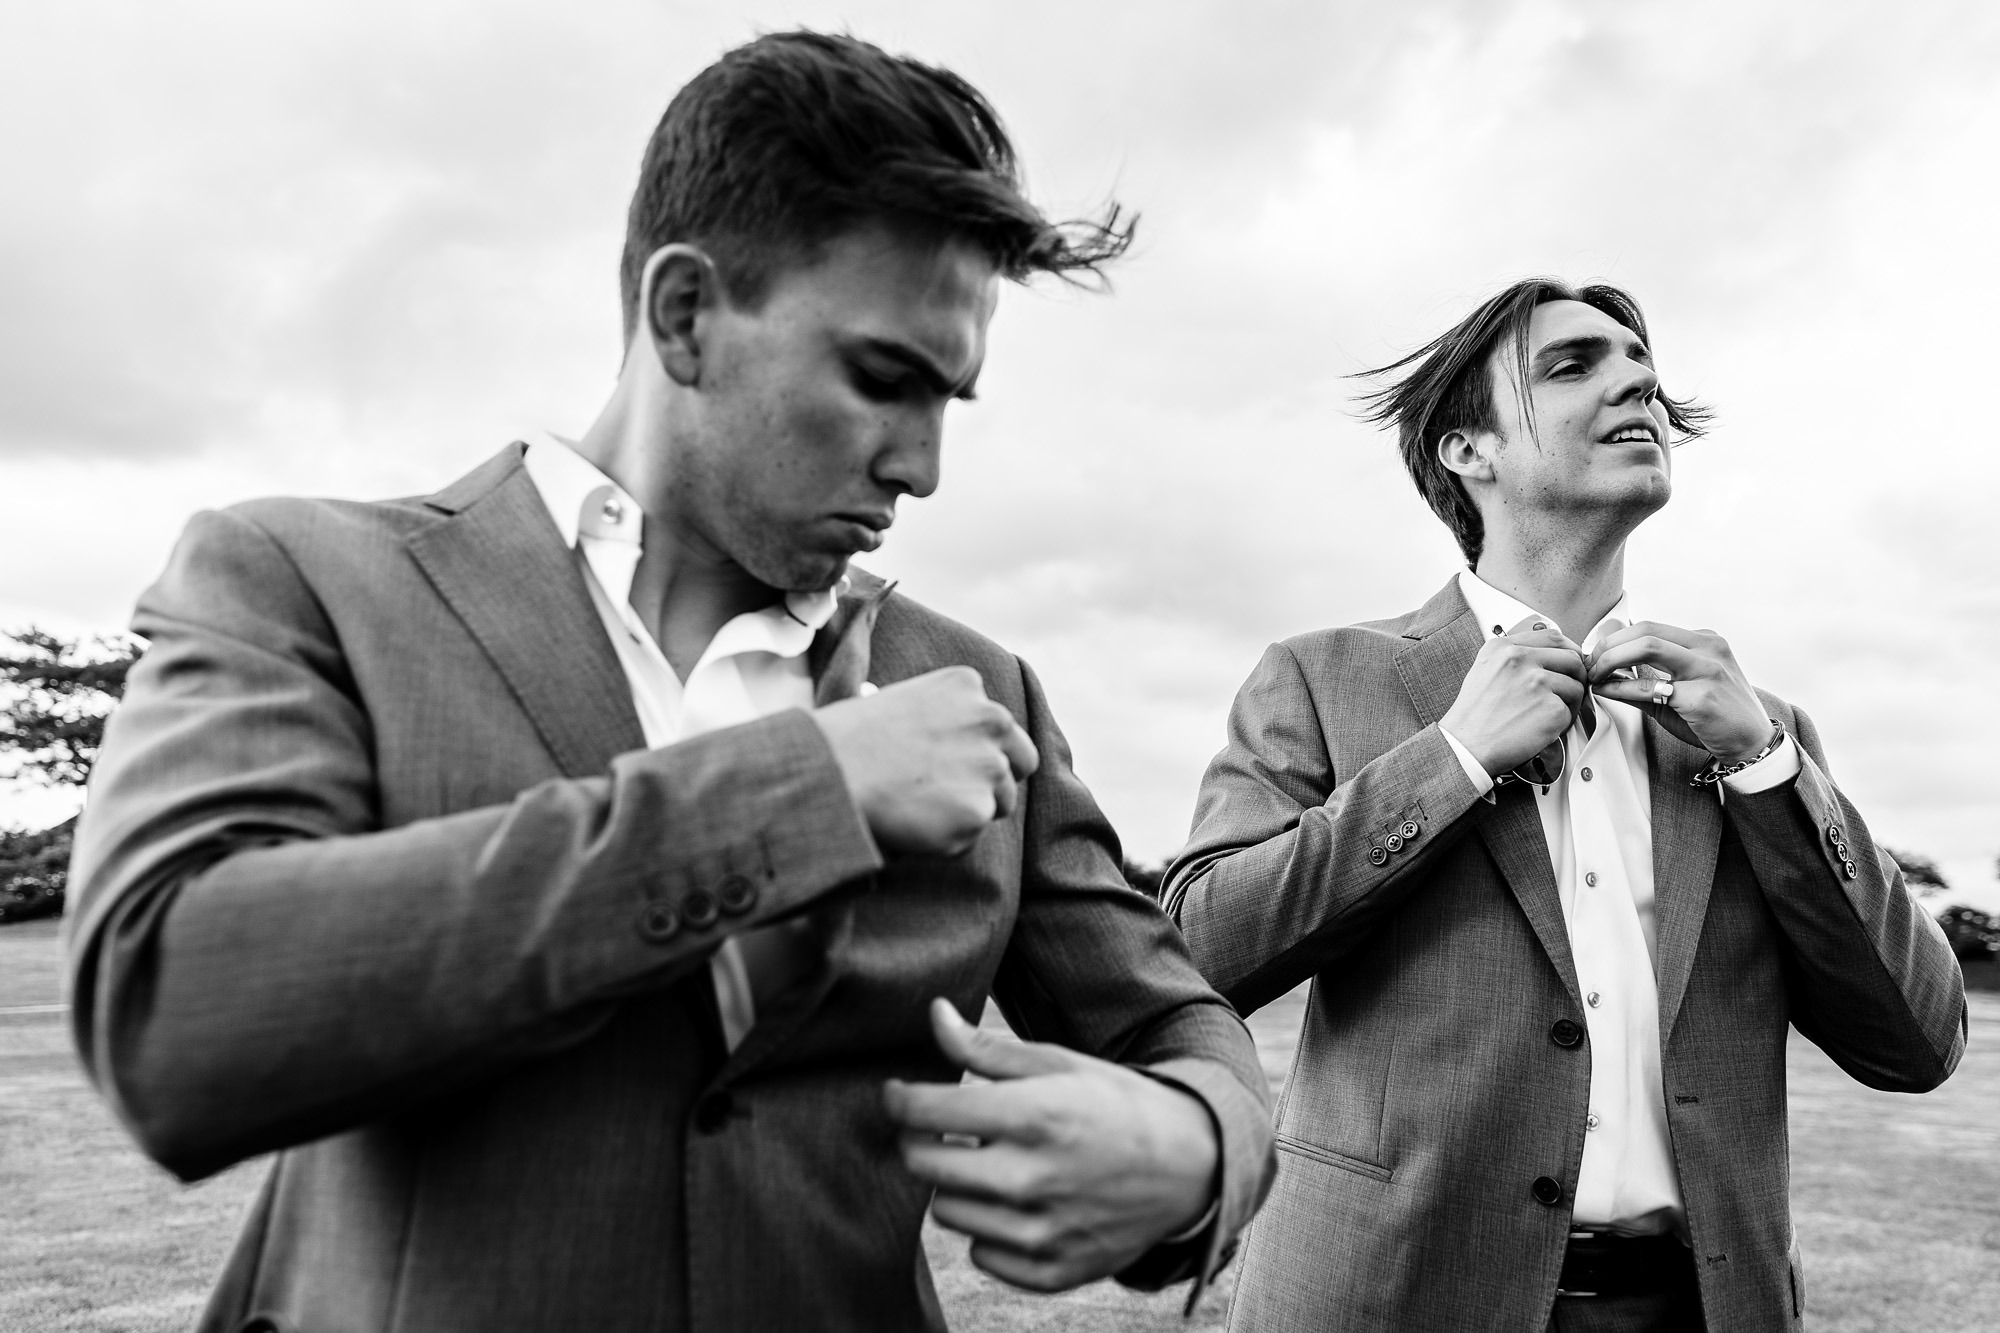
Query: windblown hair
(1447,386)
(797,137)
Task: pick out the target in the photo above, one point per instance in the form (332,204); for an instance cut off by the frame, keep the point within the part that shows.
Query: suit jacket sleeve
(1290,865)
(1872,978)
(256,963)
(1095,966)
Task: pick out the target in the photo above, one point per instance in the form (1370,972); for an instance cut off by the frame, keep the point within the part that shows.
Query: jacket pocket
(1328,1157)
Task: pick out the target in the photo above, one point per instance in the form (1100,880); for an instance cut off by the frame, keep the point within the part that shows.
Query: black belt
(1599,1263)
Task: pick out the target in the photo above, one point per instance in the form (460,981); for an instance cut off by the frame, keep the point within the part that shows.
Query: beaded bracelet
(1717,770)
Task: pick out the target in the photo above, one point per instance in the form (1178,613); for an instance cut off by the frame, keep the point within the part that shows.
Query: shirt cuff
(1773,770)
(1481,780)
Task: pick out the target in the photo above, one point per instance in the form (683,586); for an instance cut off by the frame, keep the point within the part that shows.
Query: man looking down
(531,867)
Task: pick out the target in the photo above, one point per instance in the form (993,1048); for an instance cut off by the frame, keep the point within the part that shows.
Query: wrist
(1718,768)
(1753,745)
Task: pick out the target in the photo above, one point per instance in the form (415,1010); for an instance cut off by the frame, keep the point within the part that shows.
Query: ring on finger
(1663,690)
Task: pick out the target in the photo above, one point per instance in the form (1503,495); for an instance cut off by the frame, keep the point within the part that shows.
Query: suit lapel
(499,563)
(1687,836)
(1433,668)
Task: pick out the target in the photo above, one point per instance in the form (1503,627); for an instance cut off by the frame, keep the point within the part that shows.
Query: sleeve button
(1394,842)
(699,909)
(658,923)
(736,894)
(1377,856)
(1409,829)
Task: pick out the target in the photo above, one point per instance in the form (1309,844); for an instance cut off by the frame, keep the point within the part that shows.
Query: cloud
(353,248)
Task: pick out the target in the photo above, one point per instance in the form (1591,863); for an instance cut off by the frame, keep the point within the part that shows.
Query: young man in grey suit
(537,868)
(1560,879)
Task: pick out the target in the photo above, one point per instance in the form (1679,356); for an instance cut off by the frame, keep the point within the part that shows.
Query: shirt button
(1497,631)
(613,512)
(1591,879)
(1590,1121)
(1585,775)
(1592,999)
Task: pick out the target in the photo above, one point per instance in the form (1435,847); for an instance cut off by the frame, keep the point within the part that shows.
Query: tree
(1919,872)
(55,695)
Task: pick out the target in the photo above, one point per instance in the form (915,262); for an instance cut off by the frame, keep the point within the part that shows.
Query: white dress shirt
(754,666)
(1598,820)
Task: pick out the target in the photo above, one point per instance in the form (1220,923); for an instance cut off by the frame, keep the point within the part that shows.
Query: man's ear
(679,284)
(1469,454)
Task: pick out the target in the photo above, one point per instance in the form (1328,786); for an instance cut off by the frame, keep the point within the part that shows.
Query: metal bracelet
(1717,770)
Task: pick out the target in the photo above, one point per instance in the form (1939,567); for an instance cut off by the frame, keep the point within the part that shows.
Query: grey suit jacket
(1338,840)
(378,875)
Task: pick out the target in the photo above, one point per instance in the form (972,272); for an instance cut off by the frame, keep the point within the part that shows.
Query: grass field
(1897,1198)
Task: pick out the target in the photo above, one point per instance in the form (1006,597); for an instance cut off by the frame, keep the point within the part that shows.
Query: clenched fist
(930,761)
(1522,692)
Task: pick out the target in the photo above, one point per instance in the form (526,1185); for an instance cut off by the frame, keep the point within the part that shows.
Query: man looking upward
(530,867)
(1560,878)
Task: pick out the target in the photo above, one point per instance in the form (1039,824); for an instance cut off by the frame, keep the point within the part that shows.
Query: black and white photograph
(702,666)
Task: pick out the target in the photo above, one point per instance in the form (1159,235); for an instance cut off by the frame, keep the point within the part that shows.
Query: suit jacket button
(1377,856)
(1833,834)
(1394,842)
(698,909)
(712,1111)
(736,894)
(658,923)
(1852,873)
(1546,1189)
(1566,1032)
(1409,829)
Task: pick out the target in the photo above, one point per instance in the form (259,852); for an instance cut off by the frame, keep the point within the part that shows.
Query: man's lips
(865,528)
(1635,431)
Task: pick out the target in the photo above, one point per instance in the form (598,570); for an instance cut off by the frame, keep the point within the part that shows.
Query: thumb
(993,1055)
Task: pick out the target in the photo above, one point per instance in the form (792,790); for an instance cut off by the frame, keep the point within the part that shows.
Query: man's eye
(1562,368)
(876,387)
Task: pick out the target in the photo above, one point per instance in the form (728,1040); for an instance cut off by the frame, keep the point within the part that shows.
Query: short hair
(1447,388)
(793,139)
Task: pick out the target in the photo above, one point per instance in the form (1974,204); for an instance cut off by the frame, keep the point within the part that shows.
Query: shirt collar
(1498,612)
(587,506)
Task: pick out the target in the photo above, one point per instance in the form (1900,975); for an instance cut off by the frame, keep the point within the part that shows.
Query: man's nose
(908,460)
(1640,383)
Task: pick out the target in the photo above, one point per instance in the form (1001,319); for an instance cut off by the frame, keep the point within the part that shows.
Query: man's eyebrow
(923,367)
(1590,346)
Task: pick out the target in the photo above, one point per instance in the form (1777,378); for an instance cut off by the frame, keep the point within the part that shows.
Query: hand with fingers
(1520,696)
(930,761)
(1690,681)
(1063,1169)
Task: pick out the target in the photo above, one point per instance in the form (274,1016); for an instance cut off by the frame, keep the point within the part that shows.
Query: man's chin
(805,572)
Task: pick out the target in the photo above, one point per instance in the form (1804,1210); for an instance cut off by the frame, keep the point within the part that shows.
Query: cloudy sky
(354,248)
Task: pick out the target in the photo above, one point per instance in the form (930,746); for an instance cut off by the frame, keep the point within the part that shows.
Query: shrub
(1973,934)
(1145,878)
(34,871)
